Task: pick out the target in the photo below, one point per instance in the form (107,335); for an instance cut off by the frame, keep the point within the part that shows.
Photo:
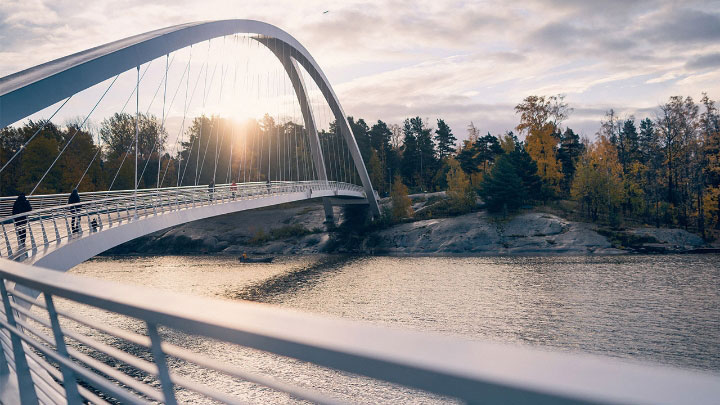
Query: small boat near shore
(255,259)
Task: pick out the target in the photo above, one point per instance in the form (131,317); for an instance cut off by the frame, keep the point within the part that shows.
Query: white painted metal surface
(105,221)
(30,90)
(475,372)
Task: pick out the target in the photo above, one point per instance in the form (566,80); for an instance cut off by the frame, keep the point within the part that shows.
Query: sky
(461,61)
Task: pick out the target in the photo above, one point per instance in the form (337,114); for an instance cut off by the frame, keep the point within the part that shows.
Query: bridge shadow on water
(273,288)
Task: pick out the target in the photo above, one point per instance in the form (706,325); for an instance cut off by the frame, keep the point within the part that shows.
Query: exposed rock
(533,233)
(476,233)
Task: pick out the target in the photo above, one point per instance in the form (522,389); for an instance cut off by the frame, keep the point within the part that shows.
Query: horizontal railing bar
(269,382)
(91,377)
(186,355)
(135,362)
(88,360)
(131,337)
(130,197)
(454,367)
(57,374)
(104,368)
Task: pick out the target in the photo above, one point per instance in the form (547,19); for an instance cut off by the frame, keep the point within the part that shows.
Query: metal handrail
(468,370)
(51,226)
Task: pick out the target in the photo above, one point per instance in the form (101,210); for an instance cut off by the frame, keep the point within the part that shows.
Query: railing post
(22,370)
(69,380)
(67,225)
(32,237)
(44,234)
(57,231)
(161,362)
(7,241)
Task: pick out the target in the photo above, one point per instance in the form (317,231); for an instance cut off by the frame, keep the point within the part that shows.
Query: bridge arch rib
(36,88)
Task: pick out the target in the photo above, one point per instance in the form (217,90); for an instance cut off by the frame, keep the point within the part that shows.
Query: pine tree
(445,139)
(502,188)
(410,155)
(426,152)
(630,144)
(570,150)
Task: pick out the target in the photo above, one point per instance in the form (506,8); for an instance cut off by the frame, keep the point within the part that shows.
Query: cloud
(711,60)
(460,60)
(686,26)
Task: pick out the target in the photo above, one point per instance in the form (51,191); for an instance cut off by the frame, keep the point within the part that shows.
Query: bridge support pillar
(329,212)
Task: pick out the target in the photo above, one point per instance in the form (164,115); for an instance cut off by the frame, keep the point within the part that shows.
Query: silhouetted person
(74,199)
(20,206)
(233,189)
(268,185)
(211,189)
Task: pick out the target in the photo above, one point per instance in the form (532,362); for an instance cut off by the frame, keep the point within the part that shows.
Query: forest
(662,170)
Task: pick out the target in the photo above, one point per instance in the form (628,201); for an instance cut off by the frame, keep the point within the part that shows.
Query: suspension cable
(73,136)
(22,147)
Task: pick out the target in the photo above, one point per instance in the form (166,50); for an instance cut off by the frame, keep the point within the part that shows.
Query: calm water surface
(663,309)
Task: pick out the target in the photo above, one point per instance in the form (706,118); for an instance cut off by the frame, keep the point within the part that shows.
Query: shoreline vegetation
(636,174)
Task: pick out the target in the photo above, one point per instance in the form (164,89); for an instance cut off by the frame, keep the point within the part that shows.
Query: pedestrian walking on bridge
(21,205)
(74,199)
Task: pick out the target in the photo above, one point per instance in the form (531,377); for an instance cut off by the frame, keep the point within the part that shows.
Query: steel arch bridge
(44,348)
(117,216)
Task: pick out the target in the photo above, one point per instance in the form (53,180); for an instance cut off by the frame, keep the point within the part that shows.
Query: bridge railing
(56,353)
(24,235)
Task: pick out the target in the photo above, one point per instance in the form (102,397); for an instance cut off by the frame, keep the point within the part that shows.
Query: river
(663,309)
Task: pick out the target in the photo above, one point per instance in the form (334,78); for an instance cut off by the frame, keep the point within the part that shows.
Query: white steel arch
(33,89)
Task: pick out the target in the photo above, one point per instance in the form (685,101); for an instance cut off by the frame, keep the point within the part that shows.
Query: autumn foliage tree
(401,204)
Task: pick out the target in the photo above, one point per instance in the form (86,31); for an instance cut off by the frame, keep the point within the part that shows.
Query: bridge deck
(56,224)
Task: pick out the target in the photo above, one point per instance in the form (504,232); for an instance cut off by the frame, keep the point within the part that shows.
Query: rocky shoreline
(298,229)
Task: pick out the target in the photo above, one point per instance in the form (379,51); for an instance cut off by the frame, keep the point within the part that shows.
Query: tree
(570,150)
(710,135)
(538,111)
(401,204)
(459,190)
(362,136)
(426,152)
(410,154)
(445,139)
(630,143)
(598,182)
(502,188)
(540,119)
(526,168)
(375,169)
(540,144)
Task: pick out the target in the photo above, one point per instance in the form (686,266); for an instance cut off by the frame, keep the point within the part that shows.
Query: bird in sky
(326,11)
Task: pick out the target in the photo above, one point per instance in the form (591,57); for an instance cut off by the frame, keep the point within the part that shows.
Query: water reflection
(654,308)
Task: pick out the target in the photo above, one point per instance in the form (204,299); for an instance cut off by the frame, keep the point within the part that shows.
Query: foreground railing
(22,235)
(51,355)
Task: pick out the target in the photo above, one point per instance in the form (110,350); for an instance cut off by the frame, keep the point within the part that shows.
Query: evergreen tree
(445,139)
(570,150)
(630,144)
(502,188)
(362,136)
(526,168)
(410,154)
(426,153)
(487,148)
